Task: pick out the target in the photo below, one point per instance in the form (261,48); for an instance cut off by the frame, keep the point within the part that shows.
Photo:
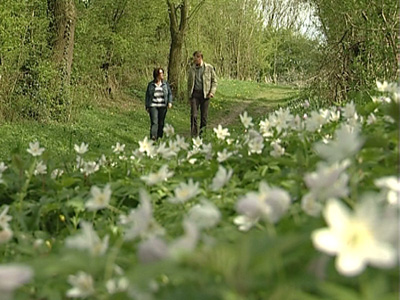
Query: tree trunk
(63,27)
(178,27)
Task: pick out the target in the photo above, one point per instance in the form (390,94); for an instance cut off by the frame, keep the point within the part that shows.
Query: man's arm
(214,82)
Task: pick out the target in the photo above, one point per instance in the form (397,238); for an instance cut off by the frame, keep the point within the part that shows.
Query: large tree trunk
(177,29)
(63,28)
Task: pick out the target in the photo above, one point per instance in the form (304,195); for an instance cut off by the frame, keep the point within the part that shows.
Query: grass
(126,121)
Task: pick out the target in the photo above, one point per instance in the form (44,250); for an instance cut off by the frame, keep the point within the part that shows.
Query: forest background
(59,55)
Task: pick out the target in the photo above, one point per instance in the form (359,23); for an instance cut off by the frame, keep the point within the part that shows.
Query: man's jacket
(151,87)
(209,80)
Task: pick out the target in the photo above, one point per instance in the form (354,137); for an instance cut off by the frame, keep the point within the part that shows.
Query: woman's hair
(157,71)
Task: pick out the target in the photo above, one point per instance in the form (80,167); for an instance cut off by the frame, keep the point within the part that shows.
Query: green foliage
(360,45)
(271,261)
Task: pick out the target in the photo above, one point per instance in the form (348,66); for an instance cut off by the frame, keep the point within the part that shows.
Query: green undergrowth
(101,125)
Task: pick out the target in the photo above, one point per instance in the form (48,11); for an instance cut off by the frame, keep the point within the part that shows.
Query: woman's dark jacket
(150,93)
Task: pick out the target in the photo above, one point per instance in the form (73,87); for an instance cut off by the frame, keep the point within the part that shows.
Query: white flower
(310,205)
(197,142)
(270,203)
(5,235)
(4,218)
(152,250)
(221,133)
(90,167)
(391,188)
(246,120)
(40,169)
(386,87)
(256,145)
(165,152)
(315,121)
(139,222)
(281,119)
(346,144)
(185,191)
(334,116)
(117,285)
(207,151)
(381,99)
(118,148)
(13,276)
(154,178)
(56,173)
(204,215)
(371,119)
(244,223)
(297,123)
(146,146)
(278,150)
(34,149)
(180,142)
(82,149)
(88,240)
(3,167)
(221,178)
(102,160)
(328,180)
(186,243)
(265,128)
(224,155)
(349,112)
(100,199)
(82,285)
(169,130)
(174,147)
(357,239)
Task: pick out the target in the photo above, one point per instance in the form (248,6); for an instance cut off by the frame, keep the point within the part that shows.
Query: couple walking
(202,84)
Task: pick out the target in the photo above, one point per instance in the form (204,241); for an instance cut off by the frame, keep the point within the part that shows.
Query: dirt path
(229,117)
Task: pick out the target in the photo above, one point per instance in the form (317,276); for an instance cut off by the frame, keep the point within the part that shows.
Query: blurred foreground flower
(4,218)
(364,237)
(390,186)
(12,277)
(221,178)
(140,222)
(270,203)
(328,181)
(169,130)
(346,144)
(100,199)
(3,167)
(245,223)
(186,243)
(88,239)
(185,191)
(204,215)
(82,285)
(154,178)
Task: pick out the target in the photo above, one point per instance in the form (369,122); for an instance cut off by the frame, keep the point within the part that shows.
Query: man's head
(198,57)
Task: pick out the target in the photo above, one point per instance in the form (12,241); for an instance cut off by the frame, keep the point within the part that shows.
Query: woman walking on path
(158,101)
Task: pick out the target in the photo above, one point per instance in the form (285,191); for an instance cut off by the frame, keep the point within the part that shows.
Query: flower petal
(325,240)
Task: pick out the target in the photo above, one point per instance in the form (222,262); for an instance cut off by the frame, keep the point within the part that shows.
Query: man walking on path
(202,84)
